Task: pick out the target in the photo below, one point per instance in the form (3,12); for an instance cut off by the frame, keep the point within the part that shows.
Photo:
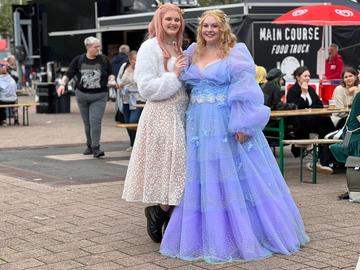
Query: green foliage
(218,2)
(6,25)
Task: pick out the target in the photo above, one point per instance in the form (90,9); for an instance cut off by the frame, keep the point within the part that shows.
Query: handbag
(353,178)
(347,138)
(119,101)
(335,134)
(285,106)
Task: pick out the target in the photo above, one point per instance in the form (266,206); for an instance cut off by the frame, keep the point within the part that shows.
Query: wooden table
(25,107)
(280,128)
(303,144)
(139,105)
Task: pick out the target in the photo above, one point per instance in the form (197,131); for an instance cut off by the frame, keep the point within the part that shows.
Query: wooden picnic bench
(24,106)
(310,147)
(131,125)
(127,125)
(278,125)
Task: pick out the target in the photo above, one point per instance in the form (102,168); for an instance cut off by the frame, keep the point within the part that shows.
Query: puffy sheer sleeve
(246,100)
(153,83)
(189,53)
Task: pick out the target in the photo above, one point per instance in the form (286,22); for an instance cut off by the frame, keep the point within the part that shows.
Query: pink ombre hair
(155,29)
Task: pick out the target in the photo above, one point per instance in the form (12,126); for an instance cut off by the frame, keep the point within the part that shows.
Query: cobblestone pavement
(88,226)
(57,129)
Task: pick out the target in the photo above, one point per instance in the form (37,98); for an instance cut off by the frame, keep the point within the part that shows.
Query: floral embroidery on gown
(236,204)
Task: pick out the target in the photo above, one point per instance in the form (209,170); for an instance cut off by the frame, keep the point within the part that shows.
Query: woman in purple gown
(236,204)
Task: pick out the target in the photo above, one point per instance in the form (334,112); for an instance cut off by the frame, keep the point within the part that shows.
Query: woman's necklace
(171,43)
(173,47)
(212,46)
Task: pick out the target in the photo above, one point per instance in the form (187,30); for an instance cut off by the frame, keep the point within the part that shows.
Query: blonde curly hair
(227,38)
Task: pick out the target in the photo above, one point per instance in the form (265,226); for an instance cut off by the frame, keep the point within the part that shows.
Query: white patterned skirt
(156,172)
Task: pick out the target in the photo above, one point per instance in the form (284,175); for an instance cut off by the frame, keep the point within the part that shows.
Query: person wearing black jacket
(120,59)
(304,96)
(272,88)
(272,98)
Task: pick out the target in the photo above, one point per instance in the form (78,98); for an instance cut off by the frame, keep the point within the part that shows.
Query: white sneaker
(129,149)
(309,147)
(324,169)
(319,168)
(308,166)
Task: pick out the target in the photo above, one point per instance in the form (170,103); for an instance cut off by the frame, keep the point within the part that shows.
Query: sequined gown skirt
(156,172)
(236,203)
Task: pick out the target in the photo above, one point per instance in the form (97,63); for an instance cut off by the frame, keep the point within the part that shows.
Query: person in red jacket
(334,64)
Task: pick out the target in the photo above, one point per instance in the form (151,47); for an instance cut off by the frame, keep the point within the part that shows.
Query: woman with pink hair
(156,172)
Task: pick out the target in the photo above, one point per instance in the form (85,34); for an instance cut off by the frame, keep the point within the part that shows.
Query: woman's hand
(120,85)
(241,137)
(358,118)
(179,64)
(352,90)
(304,87)
(111,83)
(60,91)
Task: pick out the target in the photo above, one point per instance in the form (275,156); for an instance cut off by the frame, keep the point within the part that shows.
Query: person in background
(341,151)
(272,98)
(260,74)
(304,96)
(7,91)
(117,61)
(334,64)
(12,68)
(120,59)
(129,95)
(272,88)
(94,76)
(344,94)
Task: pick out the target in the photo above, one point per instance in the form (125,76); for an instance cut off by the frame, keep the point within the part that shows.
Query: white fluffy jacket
(153,82)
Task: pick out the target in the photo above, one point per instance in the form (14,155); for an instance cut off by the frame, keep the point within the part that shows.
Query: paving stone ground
(87,226)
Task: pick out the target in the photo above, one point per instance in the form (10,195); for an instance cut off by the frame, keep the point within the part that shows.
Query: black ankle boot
(155,221)
(97,152)
(88,150)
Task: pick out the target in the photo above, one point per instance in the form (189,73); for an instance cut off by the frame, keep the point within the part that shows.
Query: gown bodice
(209,84)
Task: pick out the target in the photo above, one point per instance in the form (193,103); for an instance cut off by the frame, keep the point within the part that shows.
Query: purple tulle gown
(236,204)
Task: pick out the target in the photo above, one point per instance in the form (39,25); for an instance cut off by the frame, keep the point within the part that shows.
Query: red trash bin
(327,88)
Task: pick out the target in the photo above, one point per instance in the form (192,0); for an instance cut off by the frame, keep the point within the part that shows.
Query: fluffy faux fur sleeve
(153,82)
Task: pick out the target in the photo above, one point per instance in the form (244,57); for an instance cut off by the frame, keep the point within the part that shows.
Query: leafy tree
(6,24)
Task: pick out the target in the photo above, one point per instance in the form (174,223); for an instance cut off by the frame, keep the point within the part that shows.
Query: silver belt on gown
(208,98)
